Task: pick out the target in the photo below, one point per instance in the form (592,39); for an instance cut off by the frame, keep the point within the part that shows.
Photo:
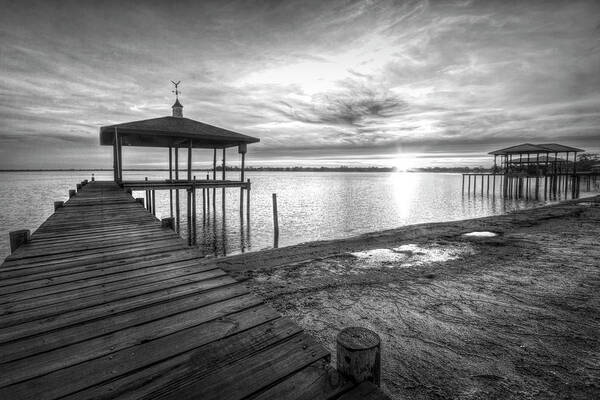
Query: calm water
(312,205)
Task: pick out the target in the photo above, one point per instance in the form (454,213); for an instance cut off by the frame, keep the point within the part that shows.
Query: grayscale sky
(408,83)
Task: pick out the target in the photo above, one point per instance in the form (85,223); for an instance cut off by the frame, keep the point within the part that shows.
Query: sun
(403,163)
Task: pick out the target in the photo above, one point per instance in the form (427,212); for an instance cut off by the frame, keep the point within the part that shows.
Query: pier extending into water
(105,301)
(531,172)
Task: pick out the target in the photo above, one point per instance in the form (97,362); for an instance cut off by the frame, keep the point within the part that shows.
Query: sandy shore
(511,316)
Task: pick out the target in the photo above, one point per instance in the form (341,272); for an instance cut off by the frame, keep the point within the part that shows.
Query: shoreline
(510,316)
(274,257)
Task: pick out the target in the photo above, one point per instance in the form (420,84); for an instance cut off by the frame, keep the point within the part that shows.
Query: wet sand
(516,315)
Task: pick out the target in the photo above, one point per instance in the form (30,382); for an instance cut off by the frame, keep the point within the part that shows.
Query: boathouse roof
(172,132)
(528,148)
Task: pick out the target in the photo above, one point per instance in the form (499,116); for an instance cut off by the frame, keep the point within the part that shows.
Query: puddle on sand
(480,234)
(410,255)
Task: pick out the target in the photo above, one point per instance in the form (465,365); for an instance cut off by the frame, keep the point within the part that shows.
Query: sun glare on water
(403,163)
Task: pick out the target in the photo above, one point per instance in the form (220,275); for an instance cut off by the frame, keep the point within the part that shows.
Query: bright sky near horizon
(410,83)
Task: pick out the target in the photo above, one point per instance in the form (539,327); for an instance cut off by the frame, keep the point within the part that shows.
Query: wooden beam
(189,173)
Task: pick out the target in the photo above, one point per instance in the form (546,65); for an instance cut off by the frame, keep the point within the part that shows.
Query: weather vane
(176,91)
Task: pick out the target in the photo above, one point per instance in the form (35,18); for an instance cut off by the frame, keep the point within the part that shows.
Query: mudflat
(510,312)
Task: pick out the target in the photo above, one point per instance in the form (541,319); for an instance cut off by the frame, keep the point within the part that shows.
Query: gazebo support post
(189,215)
(194,210)
(120,153)
(177,213)
(115,159)
(214,194)
(171,180)
(242,151)
(223,178)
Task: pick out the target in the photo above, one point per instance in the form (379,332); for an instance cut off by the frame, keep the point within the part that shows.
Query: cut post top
(358,338)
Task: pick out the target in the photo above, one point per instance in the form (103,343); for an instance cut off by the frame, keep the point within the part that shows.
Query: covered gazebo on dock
(176,132)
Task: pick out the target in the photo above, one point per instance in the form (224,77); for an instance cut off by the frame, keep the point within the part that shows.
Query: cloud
(332,80)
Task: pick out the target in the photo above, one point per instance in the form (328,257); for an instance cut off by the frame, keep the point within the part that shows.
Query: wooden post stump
(359,355)
(72,193)
(18,238)
(168,222)
(58,204)
(78,187)
(140,200)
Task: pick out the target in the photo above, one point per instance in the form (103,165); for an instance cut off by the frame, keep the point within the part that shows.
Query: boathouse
(177,133)
(527,170)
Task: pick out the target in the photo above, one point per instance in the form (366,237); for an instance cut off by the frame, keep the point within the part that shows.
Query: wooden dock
(104,303)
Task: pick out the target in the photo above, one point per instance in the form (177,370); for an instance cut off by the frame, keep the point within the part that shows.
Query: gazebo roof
(172,132)
(528,148)
(559,148)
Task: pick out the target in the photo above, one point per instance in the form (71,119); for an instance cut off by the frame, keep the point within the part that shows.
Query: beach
(515,315)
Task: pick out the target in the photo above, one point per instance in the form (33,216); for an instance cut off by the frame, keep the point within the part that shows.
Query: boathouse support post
(359,355)
(463,184)
(18,238)
(482,177)
(469,188)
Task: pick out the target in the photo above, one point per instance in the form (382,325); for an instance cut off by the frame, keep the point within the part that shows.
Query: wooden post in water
(474,185)
(18,238)
(359,355)
(275,222)
(72,193)
(463,184)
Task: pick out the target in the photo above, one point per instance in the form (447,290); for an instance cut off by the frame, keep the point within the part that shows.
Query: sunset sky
(319,82)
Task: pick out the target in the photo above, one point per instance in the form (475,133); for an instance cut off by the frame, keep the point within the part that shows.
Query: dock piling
(58,204)
(359,355)
(18,238)
(275,222)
